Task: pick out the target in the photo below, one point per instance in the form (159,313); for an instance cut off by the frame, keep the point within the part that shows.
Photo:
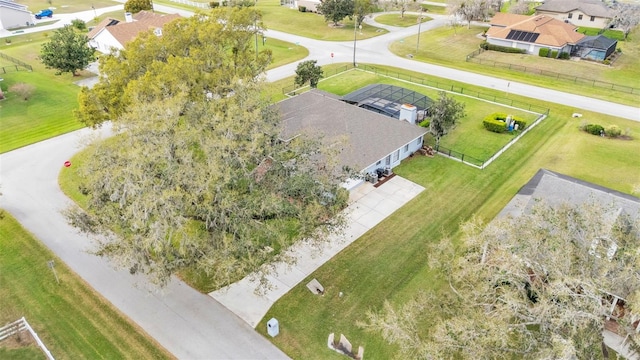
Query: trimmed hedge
(496,122)
(594,129)
(543,52)
(565,55)
(505,49)
(425,123)
(613,131)
(554,53)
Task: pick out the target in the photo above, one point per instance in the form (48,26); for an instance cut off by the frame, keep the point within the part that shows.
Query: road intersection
(189,324)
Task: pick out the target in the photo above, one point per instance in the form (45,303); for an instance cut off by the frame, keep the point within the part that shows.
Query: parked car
(44,13)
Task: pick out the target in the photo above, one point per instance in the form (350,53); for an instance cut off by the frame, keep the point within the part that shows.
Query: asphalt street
(189,324)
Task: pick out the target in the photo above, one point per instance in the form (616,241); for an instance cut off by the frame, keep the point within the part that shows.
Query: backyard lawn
(394,19)
(449,46)
(71,319)
(67,6)
(390,262)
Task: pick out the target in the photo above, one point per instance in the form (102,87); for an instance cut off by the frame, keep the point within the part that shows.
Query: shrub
(594,129)
(79,24)
(613,131)
(565,55)
(506,49)
(214,4)
(554,54)
(496,122)
(607,62)
(425,123)
(543,52)
(7,40)
(302,8)
(23,90)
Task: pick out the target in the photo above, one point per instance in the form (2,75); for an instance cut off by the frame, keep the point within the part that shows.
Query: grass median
(72,320)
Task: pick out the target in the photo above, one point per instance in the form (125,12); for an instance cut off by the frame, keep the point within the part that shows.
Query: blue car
(44,13)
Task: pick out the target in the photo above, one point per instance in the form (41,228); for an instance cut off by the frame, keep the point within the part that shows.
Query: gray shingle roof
(589,7)
(555,189)
(364,136)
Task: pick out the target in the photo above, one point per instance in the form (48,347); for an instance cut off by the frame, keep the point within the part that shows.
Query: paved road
(189,324)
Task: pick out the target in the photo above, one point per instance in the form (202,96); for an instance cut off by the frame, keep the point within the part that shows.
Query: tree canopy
(534,287)
(67,51)
(470,10)
(444,113)
(204,54)
(626,16)
(336,10)
(197,179)
(135,6)
(308,71)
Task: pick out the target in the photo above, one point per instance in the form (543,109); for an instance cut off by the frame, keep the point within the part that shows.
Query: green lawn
(449,46)
(394,19)
(610,33)
(310,25)
(435,9)
(71,319)
(65,6)
(390,262)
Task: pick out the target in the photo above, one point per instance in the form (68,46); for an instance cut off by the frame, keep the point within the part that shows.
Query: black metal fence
(467,159)
(18,64)
(558,76)
(295,89)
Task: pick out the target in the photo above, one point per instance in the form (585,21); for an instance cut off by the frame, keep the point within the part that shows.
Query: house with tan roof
(587,13)
(532,33)
(112,34)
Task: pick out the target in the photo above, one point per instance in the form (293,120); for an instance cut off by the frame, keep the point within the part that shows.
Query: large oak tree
(536,287)
(197,179)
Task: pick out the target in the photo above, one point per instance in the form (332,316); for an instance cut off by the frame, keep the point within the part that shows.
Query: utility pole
(419,25)
(355,26)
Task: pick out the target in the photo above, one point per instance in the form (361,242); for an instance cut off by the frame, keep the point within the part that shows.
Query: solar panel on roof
(525,36)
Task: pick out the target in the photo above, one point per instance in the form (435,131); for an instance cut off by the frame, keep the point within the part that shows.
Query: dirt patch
(19,340)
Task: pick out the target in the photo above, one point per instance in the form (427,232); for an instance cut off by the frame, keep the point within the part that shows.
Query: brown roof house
(112,34)
(367,140)
(587,13)
(532,33)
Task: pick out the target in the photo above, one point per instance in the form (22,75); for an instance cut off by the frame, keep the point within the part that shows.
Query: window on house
(570,16)
(406,148)
(579,17)
(419,141)
(396,156)
(387,160)
(593,18)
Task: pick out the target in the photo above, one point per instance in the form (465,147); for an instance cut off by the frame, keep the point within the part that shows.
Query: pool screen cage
(387,100)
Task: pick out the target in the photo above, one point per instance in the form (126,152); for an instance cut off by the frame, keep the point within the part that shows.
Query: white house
(367,140)
(586,13)
(112,34)
(14,15)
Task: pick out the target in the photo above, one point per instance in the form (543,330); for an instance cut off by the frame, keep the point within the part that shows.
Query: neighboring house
(532,33)
(111,34)
(14,15)
(556,189)
(310,5)
(367,140)
(587,13)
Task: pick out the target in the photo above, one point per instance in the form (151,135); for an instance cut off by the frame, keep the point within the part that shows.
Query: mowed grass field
(71,319)
(65,6)
(390,262)
(449,46)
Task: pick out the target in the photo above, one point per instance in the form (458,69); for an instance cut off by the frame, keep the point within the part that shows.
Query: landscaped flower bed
(501,122)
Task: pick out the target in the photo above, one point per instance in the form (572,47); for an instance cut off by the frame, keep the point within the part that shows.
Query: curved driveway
(189,324)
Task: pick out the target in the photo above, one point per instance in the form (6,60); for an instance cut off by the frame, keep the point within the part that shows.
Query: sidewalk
(369,206)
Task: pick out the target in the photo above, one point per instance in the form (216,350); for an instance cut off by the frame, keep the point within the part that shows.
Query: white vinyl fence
(22,325)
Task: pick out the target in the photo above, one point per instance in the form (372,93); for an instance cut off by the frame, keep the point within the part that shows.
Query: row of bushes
(506,49)
(497,123)
(596,129)
(232,3)
(545,52)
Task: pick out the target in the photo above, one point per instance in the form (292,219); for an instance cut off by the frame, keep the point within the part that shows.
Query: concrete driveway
(368,207)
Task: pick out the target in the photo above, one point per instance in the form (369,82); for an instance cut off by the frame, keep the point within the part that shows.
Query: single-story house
(587,13)
(14,15)
(368,140)
(111,34)
(532,33)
